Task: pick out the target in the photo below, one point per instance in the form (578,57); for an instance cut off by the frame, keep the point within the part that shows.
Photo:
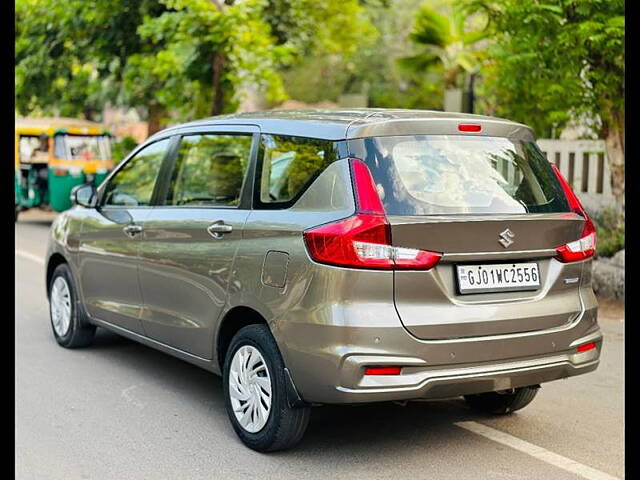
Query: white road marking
(30,256)
(536,451)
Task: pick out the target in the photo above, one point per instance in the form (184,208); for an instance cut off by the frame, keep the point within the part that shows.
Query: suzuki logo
(506,238)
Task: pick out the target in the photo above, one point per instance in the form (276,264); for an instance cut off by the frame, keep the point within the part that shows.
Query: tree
(370,66)
(71,56)
(554,62)
(176,58)
(205,51)
(447,40)
(53,76)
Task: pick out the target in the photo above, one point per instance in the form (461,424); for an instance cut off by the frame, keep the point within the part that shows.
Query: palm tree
(445,41)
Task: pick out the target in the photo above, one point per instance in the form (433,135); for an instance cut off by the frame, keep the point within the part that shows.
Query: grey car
(336,257)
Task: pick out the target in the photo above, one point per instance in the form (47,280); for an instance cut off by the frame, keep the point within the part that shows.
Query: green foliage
(610,231)
(447,40)
(553,61)
(51,73)
(186,57)
(179,73)
(309,27)
(122,148)
(610,241)
(70,55)
(373,68)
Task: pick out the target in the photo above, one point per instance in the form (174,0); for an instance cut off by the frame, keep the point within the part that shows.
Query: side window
(209,170)
(289,164)
(132,185)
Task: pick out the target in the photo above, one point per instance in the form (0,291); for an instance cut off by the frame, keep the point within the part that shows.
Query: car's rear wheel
(504,402)
(255,391)
(69,325)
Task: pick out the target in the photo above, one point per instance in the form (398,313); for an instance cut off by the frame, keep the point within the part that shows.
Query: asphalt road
(120,410)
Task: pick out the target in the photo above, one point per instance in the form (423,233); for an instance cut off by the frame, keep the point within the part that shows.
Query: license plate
(498,277)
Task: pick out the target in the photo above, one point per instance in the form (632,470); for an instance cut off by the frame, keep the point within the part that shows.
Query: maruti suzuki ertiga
(336,257)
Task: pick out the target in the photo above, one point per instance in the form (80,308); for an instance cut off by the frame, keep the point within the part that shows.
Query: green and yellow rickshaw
(53,155)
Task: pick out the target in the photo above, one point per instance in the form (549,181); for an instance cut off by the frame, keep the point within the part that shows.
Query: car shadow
(159,367)
(332,428)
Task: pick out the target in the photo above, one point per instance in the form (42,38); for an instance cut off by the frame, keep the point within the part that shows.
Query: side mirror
(84,195)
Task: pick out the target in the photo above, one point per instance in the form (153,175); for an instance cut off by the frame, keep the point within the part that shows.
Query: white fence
(584,164)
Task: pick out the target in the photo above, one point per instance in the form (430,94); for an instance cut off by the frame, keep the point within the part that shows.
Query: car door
(110,239)
(190,241)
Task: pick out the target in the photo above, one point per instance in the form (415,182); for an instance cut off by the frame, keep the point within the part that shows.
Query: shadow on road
(341,429)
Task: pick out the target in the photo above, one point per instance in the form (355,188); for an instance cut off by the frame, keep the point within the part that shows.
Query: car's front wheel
(502,403)
(69,325)
(255,391)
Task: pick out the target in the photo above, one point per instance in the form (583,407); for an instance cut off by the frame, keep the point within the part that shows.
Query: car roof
(351,123)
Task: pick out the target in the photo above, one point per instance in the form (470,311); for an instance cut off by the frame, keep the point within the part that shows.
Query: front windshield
(83,147)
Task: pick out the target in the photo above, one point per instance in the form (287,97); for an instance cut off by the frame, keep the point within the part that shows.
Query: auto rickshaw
(53,155)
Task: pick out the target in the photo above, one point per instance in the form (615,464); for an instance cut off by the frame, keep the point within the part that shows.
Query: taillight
(364,239)
(585,246)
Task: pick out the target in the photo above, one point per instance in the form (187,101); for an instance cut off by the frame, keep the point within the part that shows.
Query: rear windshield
(452,174)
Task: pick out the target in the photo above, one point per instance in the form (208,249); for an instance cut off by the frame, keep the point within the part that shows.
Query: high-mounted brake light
(364,239)
(585,246)
(469,127)
(382,371)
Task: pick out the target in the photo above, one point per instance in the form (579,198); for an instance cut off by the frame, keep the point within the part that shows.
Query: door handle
(219,228)
(132,230)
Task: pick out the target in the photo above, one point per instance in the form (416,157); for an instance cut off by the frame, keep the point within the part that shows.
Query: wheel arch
(239,317)
(54,261)
(235,319)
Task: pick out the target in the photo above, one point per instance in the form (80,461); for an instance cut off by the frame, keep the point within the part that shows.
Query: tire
(285,425)
(78,332)
(502,403)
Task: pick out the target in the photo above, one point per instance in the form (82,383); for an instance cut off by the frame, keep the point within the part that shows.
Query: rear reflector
(364,239)
(586,347)
(382,371)
(469,127)
(585,246)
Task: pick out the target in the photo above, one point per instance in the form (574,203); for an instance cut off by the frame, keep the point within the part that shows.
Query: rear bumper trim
(421,382)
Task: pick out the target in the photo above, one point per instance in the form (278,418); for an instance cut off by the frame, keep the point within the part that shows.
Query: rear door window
(209,170)
(452,174)
(286,167)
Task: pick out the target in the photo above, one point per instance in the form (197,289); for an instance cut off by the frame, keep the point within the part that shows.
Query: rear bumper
(327,361)
(422,381)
